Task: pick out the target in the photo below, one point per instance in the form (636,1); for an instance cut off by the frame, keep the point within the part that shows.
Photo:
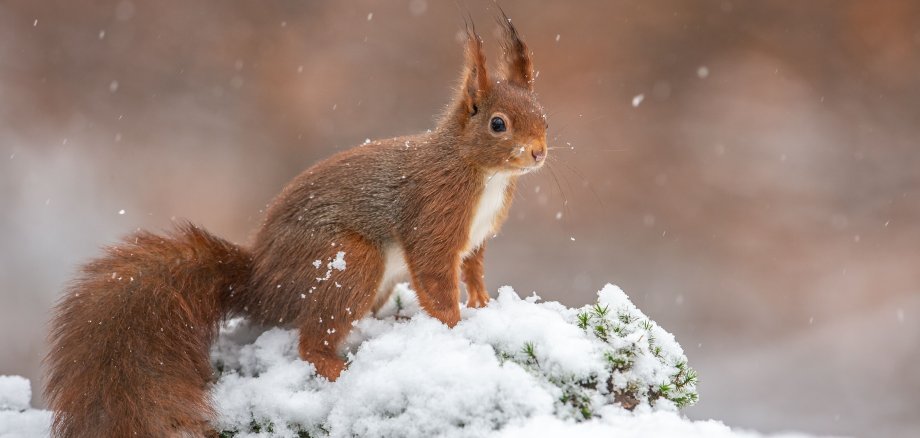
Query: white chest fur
(489,205)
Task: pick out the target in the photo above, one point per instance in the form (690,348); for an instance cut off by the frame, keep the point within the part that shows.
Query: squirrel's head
(501,125)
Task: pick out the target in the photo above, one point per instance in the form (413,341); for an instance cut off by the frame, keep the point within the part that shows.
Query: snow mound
(15,393)
(517,368)
(513,368)
(17,420)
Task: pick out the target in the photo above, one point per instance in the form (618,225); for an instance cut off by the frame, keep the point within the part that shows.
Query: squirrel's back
(367,188)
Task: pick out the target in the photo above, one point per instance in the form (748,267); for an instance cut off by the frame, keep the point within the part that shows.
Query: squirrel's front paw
(327,365)
(477,299)
(450,317)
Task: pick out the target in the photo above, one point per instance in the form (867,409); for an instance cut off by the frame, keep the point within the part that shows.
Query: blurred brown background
(761,202)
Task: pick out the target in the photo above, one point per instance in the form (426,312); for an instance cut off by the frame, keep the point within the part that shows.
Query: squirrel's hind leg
(345,295)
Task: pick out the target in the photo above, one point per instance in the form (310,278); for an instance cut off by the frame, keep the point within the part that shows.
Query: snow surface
(517,368)
(16,419)
(411,376)
(15,393)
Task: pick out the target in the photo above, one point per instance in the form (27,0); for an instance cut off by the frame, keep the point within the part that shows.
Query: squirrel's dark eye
(498,124)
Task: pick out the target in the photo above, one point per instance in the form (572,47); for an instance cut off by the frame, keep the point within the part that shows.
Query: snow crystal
(702,72)
(339,262)
(637,100)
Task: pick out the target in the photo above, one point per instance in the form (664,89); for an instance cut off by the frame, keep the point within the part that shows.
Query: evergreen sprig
(613,327)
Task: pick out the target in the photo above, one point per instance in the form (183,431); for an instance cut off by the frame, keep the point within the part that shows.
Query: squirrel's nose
(538,154)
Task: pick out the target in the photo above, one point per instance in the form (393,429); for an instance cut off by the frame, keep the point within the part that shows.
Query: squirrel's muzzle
(538,154)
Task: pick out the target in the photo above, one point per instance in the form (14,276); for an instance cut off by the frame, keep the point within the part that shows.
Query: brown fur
(130,339)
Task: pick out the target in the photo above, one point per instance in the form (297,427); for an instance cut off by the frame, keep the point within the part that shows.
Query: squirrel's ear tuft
(517,65)
(475,83)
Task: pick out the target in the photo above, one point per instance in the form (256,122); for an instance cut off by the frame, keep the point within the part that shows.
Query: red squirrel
(131,336)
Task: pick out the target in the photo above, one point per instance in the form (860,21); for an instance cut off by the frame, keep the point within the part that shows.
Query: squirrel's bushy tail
(130,340)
